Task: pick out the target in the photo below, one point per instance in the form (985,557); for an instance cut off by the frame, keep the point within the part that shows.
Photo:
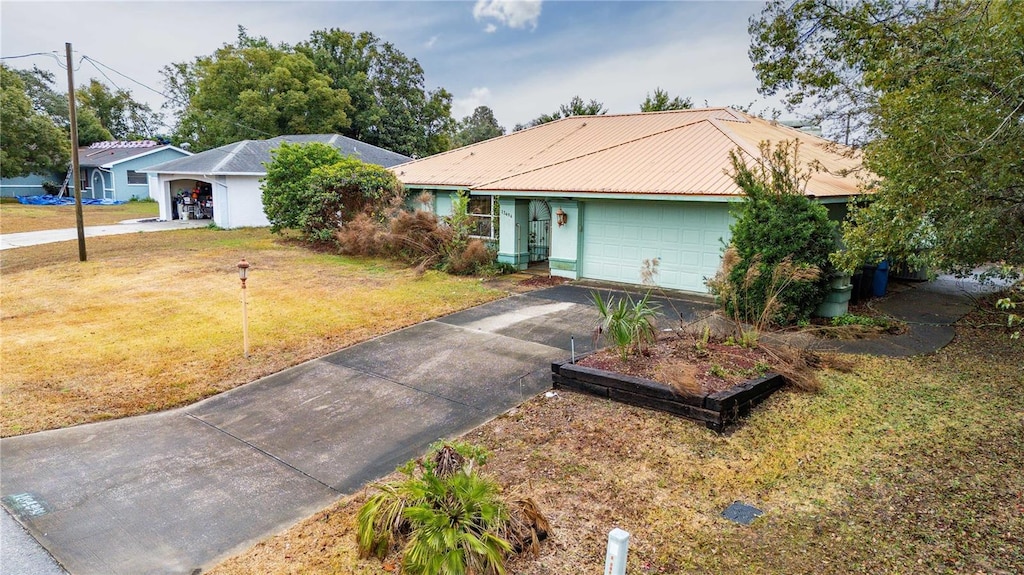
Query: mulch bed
(687,364)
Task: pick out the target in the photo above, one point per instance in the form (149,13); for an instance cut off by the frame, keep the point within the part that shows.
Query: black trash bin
(867,281)
(856,281)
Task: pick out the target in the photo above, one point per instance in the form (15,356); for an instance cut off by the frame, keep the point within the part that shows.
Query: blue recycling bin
(881,282)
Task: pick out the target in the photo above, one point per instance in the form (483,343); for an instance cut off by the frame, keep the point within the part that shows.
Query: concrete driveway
(181,490)
(24,239)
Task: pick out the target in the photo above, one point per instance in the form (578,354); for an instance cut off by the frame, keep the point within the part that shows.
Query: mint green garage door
(684,236)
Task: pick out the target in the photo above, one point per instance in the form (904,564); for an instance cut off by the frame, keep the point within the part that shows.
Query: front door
(540,231)
(98,190)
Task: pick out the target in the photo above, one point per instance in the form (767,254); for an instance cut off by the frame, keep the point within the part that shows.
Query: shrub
(446,518)
(286,185)
(51,188)
(339,192)
(628,325)
(776,224)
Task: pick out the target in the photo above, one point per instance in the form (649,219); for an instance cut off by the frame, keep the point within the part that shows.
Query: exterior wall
(513,237)
(238,202)
(31,185)
(443,204)
(565,239)
(124,191)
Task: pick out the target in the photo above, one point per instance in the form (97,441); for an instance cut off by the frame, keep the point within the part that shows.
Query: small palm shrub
(448,519)
(628,325)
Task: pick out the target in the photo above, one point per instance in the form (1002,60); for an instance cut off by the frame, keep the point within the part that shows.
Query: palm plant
(628,325)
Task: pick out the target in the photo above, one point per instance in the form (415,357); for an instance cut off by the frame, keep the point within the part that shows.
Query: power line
(210,113)
(53,55)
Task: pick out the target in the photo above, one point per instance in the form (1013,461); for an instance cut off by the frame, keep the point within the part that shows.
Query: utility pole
(76,174)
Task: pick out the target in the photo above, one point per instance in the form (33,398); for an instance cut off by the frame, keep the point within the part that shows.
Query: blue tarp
(49,200)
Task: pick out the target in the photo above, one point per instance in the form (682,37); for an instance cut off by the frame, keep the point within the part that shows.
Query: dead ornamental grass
(153,321)
(15,217)
(901,466)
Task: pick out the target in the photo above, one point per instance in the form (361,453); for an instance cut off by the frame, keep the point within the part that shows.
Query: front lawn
(899,466)
(153,321)
(15,217)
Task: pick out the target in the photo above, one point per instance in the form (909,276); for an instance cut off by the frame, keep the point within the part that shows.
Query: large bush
(421,238)
(776,225)
(286,185)
(314,189)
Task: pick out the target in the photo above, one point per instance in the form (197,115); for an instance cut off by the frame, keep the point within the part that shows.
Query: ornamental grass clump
(445,517)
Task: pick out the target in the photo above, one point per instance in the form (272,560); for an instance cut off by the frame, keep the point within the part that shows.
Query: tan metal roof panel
(673,153)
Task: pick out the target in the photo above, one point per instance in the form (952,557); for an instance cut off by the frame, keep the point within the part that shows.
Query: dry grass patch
(15,217)
(153,321)
(900,466)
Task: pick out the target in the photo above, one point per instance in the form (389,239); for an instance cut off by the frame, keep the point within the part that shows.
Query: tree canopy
(936,93)
(335,82)
(253,90)
(117,112)
(390,105)
(660,102)
(575,107)
(30,142)
(480,126)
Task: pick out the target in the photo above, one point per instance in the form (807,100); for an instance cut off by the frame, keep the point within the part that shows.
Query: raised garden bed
(716,409)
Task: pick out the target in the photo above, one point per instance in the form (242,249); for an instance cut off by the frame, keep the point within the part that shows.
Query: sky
(522,58)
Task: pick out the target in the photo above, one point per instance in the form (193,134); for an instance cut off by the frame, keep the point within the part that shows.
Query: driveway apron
(181,490)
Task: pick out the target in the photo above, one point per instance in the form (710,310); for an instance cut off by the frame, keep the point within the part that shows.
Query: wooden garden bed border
(716,410)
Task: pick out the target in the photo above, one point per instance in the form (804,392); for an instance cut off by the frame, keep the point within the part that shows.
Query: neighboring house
(229,176)
(30,185)
(113,170)
(108,170)
(596,196)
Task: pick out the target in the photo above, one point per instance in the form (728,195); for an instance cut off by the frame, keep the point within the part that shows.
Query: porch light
(561,217)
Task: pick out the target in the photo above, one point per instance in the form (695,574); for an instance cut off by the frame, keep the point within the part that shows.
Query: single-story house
(108,170)
(113,170)
(595,196)
(226,180)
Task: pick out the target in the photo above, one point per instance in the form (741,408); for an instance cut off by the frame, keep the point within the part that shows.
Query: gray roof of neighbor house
(248,156)
(106,154)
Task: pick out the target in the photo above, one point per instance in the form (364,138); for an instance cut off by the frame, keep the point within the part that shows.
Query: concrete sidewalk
(181,490)
(25,239)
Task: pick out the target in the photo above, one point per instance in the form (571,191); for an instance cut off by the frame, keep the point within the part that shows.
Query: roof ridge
(740,142)
(598,151)
(230,156)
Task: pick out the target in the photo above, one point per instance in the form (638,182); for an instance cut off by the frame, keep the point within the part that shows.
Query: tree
(575,107)
(54,105)
(480,126)
(940,89)
(118,112)
(286,185)
(30,142)
(391,107)
(781,241)
(660,102)
(253,90)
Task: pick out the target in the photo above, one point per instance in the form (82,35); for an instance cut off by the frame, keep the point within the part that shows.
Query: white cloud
(462,107)
(430,43)
(491,29)
(511,13)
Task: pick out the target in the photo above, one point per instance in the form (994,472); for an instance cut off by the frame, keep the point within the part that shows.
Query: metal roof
(682,152)
(249,156)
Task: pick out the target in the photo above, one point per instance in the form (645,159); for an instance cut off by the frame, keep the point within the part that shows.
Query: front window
(481,213)
(136,177)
